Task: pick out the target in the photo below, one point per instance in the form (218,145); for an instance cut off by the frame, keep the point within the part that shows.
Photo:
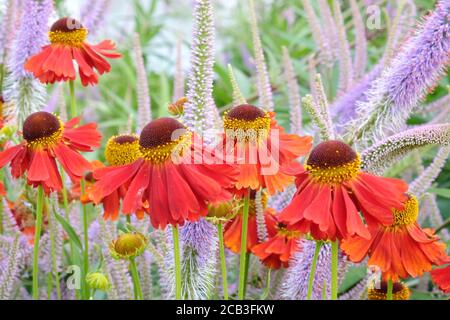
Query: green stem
(242,261)
(267,289)
(49,286)
(37,237)
(390,286)
(53,253)
(223,263)
(86,240)
(334,269)
(136,282)
(313,269)
(176,253)
(324,291)
(73,102)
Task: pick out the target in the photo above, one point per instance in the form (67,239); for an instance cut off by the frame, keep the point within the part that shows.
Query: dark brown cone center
(331,153)
(245,112)
(125,139)
(66,24)
(160,131)
(396,287)
(40,125)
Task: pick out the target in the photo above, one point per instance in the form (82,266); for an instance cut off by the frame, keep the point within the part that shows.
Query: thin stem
(136,282)
(37,237)
(313,269)
(324,291)
(73,102)
(176,253)
(334,269)
(390,286)
(86,239)
(53,253)
(223,263)
(242,263)
(267,289)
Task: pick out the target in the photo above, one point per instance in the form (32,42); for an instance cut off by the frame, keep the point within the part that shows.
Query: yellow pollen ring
(247,130)
(409,214)
(164,152)
(337,174)
(378,294)
(47,142)
(118,154)
(73,38)
(288,233)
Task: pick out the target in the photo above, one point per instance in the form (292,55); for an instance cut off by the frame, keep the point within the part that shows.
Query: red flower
(400,250)
(233,229)
(441,277)
(332,190)
(262,148)
(55,61)
(164,181)
(278,249)
(47,139)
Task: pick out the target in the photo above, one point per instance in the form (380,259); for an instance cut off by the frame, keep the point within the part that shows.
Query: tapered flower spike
(10,272)
(145,270)
(329,27)
(178,78)
(358,291)
(7,29)
(280,200)
(262,75)
(316,116)
(421,184)
(345,57)
(9,224)
(324,47)
(260,218)
(312,71)
(323,105)
(93,14)
(25,93)
(143,96)
(295,103)
(431,210)
(238,97)
(200,113)
(385,153)
(437,105)
(410,76)
(360,61)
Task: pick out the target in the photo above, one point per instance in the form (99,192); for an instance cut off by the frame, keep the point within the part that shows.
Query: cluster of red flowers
(371,216)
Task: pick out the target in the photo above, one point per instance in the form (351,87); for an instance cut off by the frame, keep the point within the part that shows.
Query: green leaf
(440,192)
(70,231)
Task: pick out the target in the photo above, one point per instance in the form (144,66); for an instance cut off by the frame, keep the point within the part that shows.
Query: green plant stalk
(334,269)
(242,261)
(86,241)
(313,269)
(390,287)
(267,289)
(37,237)
(53,254)
(136,282)
(49,286)
(73,102)
(223,263)
(176,254)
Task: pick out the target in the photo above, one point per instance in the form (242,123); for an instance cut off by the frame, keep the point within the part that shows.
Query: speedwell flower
(399,291)
(67,44)
(400,250)
(332,190)
(165,181)
(261,156)
(47,139)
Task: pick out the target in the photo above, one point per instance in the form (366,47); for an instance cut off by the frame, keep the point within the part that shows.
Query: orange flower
(400,250)
(47,139)
(278,249)
(67,43)
(332,190)
(441,277)
(164,181)
(262,156)
(233,229)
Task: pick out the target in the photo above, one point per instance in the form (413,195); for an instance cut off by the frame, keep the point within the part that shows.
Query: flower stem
(54,261)
(390,286)
(242,261)
(267,289)
(334,269)
(86,240)
(223,263)
(176,253)
(73,102)
(37,237)
(136,282)
(313,269)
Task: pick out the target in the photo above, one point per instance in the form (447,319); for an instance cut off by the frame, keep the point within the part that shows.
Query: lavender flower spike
(7,30)
(263,80)
(295,103)
(178,82)
(238,97)
(360,60)
(345,58)
(9,274)
(93,14)
(383,154)
(23,93)
(144,102)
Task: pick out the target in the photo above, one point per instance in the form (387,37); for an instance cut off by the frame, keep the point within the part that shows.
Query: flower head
(47,139)
(98,281)
(332,190)
(67,43)
(401,249)
(122,149)
(399,292)
(128,245)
